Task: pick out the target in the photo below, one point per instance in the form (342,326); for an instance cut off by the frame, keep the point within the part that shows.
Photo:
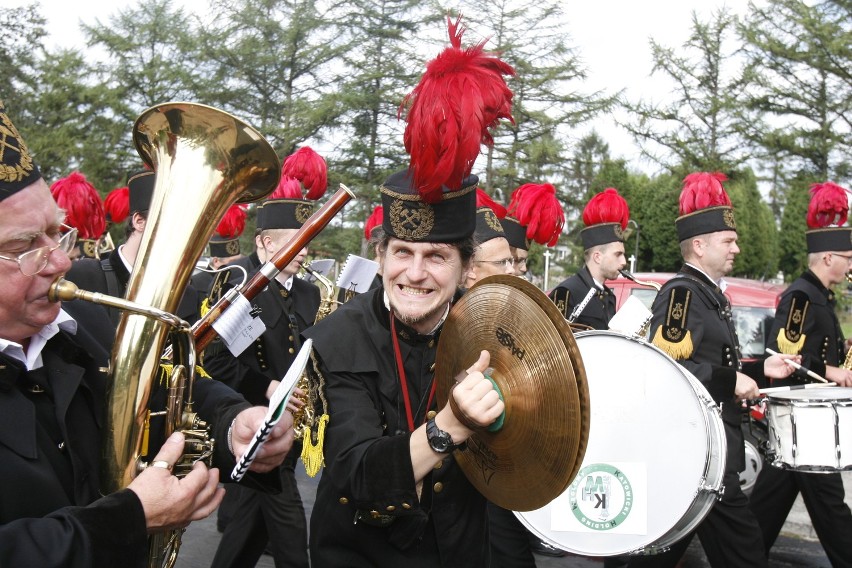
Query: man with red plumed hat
(806,324)
(392,493)
(605,216)
(287,307)
(492,254)
(692,322)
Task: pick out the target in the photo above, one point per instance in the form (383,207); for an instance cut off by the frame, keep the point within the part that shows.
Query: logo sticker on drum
(601,496)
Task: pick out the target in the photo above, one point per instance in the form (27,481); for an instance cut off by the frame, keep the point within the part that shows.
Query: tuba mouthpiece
(62,291)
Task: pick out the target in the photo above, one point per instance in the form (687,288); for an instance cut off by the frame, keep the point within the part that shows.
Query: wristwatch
(439,440)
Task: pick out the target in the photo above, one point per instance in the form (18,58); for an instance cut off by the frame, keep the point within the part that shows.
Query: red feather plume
(485,200)
(460,97)
(82,203)
(829,205)
(537,208)
(374,220)
(233,222)
(310,169)
(606,207)
(117,204)
(288,188)
(702,190)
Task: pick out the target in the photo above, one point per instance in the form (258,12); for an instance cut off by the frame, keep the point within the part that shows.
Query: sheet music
(357,274)
(323,266)
(237,327)
(631,318)
(277,406)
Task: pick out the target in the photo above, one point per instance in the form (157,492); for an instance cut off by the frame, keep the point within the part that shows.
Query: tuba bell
(205,160)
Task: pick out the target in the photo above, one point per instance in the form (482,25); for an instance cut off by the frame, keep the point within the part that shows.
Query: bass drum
(655,458)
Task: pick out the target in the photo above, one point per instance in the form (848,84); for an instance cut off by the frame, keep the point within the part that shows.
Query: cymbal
(537,366)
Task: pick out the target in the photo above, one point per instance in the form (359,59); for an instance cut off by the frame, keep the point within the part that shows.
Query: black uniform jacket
(692,322)
(806,324)
(368,476)
(91,275)
(271,354)
(50,511)
(571,292)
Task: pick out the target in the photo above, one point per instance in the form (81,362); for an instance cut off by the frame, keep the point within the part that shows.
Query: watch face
(440,443)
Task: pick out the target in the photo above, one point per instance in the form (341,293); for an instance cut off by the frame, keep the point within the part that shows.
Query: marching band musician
(110,275)
(806,324)
(534,214)
(84,211)
(605,216)
(692,322)
(492,254)
(287,306)
(53,400)
(391,493)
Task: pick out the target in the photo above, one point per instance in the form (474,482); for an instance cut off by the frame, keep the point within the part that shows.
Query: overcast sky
(611,36)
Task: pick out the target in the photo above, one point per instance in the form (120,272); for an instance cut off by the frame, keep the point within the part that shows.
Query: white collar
(124,260)
(32,357)
(288,284)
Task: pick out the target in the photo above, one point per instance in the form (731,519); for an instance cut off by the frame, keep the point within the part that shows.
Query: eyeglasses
(847,257)
(34,261)
(520,261)
(507,262)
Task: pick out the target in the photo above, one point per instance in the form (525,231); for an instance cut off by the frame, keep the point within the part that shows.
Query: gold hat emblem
(303,212)
(232,248)
(15,160)
(619,232)
(493,222)
(411,220)
(728,218)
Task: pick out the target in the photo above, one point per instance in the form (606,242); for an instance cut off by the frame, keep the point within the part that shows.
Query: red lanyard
(403,383)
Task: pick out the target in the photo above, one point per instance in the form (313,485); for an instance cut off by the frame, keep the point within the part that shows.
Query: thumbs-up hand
(475,397)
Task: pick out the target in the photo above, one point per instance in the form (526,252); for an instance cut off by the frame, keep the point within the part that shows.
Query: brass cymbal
(537,366)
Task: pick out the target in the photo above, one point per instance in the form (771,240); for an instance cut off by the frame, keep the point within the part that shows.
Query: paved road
(796,548)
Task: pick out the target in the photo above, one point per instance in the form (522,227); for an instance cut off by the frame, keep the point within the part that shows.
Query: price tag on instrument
(277,406)
(237,327)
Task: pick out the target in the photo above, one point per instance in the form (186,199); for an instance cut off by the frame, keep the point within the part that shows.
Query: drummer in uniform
(806,324)
(605,216)
(692,322)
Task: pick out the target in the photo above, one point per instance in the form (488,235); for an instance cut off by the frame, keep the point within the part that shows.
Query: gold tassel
(788,347)
(312,454)
(205,307)
(680,350)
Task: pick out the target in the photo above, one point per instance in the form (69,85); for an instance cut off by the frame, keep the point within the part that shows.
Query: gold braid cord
(312,451)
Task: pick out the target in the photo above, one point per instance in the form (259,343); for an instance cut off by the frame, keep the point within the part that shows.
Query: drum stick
(810,373)
(797,387)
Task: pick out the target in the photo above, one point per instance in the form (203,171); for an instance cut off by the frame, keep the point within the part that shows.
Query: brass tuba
(205,160)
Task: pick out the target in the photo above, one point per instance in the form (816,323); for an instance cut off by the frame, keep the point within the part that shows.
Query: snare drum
(811,430)
(655,458)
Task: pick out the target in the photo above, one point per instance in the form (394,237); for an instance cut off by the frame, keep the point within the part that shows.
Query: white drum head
(653,437)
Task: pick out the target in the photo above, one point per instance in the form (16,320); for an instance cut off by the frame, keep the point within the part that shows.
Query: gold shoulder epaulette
(673,337)
(791,338)
(560,297)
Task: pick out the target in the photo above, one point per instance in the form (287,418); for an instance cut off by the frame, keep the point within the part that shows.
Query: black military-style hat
(704,206)
(515,233)
(17,169)
(827,213)
(605,215)
(408,217)
(141,186)
(284,213)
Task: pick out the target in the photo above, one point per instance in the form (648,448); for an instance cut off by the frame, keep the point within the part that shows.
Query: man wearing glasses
(806,324)
(605,216)
(52,403)
(492,254)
